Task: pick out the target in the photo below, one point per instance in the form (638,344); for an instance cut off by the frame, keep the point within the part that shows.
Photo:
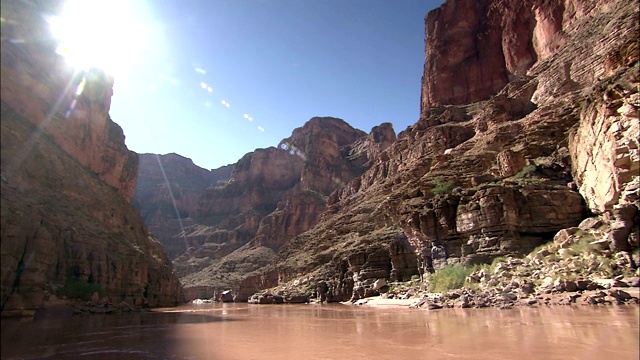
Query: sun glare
(99,34)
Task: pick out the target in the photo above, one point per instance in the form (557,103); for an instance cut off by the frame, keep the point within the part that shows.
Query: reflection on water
(243,331)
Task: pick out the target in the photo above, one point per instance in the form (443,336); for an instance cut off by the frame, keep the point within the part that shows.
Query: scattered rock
(226,296)
(564,234)
(632,281)
(296,298)
(590,223)
(379,284)
(570,286)
(620,295)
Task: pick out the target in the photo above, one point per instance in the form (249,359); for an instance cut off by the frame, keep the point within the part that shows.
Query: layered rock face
(528,126)
(324,145)
(474,48)
(604,147)
(67,229)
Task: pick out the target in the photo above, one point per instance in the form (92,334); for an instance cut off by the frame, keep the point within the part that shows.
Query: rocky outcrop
(67,229)
(70,106)
(604,147)
(325,146)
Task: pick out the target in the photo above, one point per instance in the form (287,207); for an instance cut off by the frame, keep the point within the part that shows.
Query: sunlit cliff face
(103,34)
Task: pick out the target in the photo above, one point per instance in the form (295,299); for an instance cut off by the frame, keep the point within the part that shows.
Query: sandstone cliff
(474,48)
(67,229)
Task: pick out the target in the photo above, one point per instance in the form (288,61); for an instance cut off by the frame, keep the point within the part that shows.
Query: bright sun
(99,34)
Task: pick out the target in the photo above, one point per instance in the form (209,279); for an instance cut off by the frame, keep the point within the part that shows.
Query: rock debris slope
(67,229)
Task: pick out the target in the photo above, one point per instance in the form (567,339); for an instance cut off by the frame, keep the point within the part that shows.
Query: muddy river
(333,331)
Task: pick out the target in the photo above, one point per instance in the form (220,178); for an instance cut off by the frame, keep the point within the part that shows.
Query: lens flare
(99,34)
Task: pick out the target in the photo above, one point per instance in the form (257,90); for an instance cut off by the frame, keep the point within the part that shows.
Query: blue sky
(275,62)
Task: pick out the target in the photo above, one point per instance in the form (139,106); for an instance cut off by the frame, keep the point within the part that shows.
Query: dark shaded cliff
(70,106)
(67,229)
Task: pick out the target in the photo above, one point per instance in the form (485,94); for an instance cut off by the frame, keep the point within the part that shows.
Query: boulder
(227,296)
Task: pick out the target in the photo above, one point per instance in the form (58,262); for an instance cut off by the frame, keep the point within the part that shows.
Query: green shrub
(449,277)
(583,246)
(496,261)
(441,186)
(80,290)
(525,172)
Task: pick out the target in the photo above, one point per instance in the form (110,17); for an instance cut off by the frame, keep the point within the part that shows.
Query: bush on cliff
(441,186)
(449,277)
(75,289)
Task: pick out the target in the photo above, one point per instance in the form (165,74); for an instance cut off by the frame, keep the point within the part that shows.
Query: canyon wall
(475,48)
(67,229)
(167,193)
(528,126)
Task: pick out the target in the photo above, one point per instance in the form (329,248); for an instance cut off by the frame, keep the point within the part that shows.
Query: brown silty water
(243,331)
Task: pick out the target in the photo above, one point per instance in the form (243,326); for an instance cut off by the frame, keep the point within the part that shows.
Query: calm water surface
(243,331)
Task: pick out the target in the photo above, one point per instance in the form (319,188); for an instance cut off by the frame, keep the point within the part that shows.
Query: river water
(333,331)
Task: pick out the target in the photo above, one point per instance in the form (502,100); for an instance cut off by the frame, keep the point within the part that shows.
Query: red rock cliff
(474,48)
